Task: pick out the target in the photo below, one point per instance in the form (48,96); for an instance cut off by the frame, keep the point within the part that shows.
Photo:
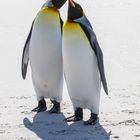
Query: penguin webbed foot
(73,119)
(69,119)
(39,109)
(78,116)
(55,108)
(92,120)
(41,106)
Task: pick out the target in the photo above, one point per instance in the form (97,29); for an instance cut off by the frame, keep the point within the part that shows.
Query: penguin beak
(58,3)
(71,3)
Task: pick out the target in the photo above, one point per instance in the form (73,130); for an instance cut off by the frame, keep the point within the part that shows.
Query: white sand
(117,25)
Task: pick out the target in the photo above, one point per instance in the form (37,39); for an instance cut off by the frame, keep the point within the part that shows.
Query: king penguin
(83,64)
(43,48)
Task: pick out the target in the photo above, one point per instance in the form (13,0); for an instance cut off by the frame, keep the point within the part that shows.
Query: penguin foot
(55,108)
(41,106)
(77,117)
(78,114)
(93,119)
(39,109)
(73,119)
(69,119)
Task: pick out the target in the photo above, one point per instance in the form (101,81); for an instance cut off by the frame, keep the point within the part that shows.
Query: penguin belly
(81,69)
(45,55)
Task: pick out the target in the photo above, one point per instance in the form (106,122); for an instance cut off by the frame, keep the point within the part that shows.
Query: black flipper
(25,55)
(86,26)
(61,23)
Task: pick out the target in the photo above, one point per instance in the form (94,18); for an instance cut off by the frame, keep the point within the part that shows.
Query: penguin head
(54,3)
(75,11)
(58,3)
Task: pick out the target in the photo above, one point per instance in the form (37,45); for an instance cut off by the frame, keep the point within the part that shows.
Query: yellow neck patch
(48,10)
(71,25)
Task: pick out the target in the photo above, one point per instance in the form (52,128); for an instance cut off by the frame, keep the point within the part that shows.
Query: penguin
(43,48)
(83,64)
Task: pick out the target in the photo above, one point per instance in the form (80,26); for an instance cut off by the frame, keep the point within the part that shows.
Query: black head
(58,3)
(75,11)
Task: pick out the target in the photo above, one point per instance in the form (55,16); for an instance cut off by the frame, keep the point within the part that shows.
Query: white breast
(45,52)
(45,45)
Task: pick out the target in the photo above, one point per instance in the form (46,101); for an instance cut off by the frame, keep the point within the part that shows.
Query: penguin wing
(61,23)
(25,55)
(86,26)
(95,46)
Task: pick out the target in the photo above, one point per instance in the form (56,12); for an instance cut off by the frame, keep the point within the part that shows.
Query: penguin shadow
(53,127)
(45,125)
(90,132)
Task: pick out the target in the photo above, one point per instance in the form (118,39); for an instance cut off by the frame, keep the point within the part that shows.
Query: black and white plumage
(83,61)
(43,48)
